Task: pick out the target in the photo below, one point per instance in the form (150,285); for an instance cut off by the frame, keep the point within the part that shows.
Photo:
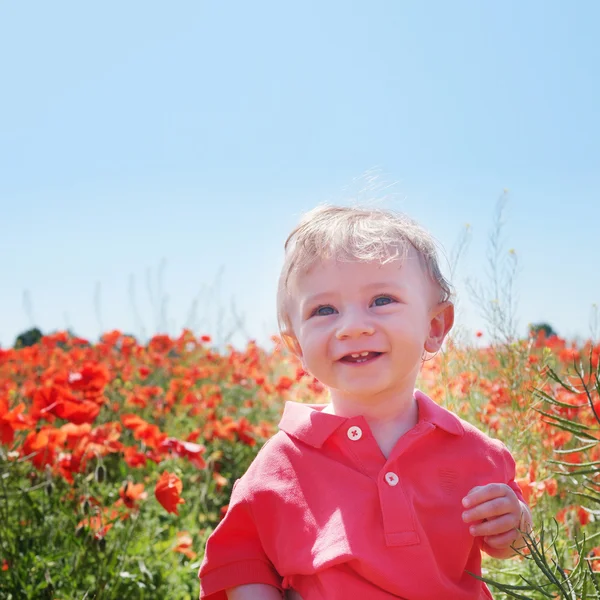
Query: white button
(355,433)
(391,478)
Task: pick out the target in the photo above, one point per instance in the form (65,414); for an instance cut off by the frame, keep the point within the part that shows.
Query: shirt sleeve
(234,554)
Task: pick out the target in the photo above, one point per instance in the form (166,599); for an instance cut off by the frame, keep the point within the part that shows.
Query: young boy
(381,493)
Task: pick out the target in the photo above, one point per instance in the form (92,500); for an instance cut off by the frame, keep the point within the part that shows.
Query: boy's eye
(383,300)
(323,310)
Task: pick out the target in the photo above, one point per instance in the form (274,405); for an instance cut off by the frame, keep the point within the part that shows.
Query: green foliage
(560,558)
(51,552)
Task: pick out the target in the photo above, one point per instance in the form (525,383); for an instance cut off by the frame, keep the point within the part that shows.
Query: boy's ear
(442,319)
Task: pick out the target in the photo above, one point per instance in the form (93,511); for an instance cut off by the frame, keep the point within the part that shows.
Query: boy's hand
(499,514)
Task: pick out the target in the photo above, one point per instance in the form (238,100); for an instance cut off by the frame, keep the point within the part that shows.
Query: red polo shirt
(322,511)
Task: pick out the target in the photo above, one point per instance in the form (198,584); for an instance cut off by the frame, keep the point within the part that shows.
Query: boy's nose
(354,328)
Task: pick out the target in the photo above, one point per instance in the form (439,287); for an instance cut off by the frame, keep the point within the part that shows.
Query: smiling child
(381,493)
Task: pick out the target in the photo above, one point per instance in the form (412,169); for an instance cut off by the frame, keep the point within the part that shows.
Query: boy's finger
(483,493)
(502,540)
(486,510)
(497,526)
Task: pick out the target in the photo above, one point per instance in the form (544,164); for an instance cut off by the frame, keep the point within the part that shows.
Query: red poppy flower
(133,422)
(160,344)
(131,492)
(284,383)
(133,458)
(193,452)
(184,544)
(168,490)
(43,446)
(91,379)
(100,523)
(77,411)
(11,420)
(45,400)
(144,431)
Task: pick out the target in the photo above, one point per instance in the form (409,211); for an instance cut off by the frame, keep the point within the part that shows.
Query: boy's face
(391,312)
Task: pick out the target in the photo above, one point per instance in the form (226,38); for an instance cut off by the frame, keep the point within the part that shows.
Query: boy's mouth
(360,357)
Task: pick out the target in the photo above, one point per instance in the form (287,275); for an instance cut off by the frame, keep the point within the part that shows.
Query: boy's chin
(356,390)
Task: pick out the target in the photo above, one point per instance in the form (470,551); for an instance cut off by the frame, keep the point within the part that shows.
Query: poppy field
(117,458)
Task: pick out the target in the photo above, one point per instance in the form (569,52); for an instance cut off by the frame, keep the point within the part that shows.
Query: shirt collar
(308,423)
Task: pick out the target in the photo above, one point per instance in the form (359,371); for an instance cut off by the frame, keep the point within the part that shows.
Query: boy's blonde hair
(352,234)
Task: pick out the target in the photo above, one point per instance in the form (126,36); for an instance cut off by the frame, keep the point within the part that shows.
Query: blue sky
(192,135)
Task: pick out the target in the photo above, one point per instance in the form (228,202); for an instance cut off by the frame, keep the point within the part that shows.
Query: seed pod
(85,507)
(100,473)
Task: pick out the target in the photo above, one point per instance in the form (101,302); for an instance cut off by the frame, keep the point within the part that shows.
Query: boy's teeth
(359,357)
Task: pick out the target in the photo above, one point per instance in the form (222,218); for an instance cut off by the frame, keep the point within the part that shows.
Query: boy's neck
(397,412)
